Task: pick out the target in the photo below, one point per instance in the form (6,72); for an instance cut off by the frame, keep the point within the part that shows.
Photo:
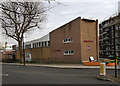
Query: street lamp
(23,51)
(115,57)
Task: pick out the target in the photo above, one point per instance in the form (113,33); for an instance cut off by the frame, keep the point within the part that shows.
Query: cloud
(98,9)
(88,1)
(63,14)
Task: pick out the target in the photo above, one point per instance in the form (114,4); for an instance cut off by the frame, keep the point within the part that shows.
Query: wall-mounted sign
(88,41)
(88,47)
(28,56)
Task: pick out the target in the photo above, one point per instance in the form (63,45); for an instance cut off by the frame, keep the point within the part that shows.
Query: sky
(69,10)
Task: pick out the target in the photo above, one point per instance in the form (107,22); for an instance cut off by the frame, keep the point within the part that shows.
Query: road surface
(43,75)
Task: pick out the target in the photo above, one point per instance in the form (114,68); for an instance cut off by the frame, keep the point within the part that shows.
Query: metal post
(23,51)
(115,49)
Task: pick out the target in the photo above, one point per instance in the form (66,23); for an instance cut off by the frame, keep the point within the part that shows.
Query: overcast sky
(61,14)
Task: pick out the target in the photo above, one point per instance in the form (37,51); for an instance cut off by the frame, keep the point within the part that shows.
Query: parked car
(113,57)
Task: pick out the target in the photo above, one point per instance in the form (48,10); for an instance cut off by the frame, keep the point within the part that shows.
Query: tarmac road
(42,75)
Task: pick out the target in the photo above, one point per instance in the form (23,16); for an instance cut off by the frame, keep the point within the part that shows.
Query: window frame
(68,52)
(67,40)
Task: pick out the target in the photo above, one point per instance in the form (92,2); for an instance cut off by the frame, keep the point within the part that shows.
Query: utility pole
(23,51)
(114,33)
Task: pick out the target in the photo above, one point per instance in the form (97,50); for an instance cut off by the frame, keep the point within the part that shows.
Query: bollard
(102,68)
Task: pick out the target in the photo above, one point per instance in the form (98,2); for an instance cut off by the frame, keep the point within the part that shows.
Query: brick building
(8,53)
(73,42)
(37,50)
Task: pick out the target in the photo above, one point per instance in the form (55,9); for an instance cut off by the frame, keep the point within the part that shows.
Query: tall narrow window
(39,44)
(42,44)
(45,43)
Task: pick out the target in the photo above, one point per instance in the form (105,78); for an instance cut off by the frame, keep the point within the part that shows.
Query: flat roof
(88,19)
(44,38)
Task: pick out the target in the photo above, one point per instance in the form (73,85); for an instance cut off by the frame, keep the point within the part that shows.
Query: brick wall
(7,55)
(57,47)
(89,40)
(38,54)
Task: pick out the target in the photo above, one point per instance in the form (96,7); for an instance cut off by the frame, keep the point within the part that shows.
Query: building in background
(8,53)
(1,50)
(107,37)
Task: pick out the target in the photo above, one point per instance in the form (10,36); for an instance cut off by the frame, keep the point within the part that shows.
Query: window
(48,43)
(70,39)
(67,40)
(68,52)
(42,44)
(45,43)
(28,46)
(35,45)
(39,44)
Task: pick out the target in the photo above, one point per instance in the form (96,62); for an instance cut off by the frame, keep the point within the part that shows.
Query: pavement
(111,78)
(74,66)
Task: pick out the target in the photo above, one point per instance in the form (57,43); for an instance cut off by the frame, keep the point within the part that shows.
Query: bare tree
(19,17)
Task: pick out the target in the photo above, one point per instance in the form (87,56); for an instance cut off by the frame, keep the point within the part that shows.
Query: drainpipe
(97,40)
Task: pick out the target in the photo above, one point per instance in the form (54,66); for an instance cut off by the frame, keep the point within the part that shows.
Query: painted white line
(4,74)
